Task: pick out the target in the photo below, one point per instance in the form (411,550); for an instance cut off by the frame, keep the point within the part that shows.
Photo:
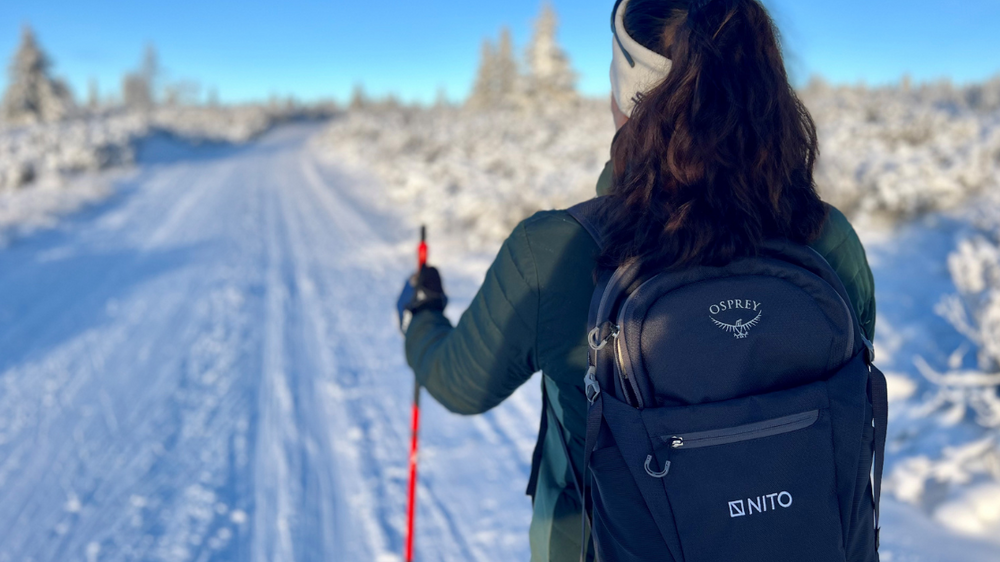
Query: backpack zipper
(747,432)
(624,374)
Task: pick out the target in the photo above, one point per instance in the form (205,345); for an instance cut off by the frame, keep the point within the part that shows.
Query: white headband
(630,79)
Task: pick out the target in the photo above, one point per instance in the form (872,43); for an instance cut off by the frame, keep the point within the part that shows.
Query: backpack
(734,414)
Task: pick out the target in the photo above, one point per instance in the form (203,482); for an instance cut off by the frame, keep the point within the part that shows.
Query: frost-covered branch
(975,313)
(960,391)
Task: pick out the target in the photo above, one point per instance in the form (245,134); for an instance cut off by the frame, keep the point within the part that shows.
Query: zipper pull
(674,442)
(649,470)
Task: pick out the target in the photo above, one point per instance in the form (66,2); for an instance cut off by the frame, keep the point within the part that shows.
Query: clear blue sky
(248,49)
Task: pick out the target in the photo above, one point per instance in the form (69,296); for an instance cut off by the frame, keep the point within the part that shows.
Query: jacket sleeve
(472,367)
(842,248)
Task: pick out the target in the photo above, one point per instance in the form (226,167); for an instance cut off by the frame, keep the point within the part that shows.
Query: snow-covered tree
(139,89)
(550,78)
(498,81)
(359,99)
(93,95)
(33,94)
(507,75)
(483,96)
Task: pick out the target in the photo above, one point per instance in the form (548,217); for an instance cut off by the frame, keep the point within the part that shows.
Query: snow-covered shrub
(477,173)
(975,311)
(903,150)
(962,486)
(59,149)
(893,151)
(105,140)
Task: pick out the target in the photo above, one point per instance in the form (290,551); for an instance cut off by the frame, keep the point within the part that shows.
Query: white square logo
(737,509)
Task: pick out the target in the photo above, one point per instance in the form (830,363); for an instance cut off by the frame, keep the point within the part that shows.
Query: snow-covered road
(206,367)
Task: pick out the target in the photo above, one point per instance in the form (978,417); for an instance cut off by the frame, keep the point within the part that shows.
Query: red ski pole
(411,509)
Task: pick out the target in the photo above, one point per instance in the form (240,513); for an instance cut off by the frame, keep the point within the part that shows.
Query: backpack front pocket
(761,489)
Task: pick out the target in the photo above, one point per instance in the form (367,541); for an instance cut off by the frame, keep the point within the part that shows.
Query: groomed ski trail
(206,368)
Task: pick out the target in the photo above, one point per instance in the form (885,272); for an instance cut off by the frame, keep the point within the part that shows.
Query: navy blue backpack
(734,413)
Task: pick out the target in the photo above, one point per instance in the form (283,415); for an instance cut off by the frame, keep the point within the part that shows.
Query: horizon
(283,52)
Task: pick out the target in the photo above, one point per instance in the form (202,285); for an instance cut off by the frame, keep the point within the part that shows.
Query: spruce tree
(483,94)
(550,78)
(139,89)
(507,76)
(359,99)
(33,94)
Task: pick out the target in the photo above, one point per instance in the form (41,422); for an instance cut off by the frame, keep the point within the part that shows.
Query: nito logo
(761,504)
(741,328)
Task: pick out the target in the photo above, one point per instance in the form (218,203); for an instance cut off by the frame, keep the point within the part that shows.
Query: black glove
(421,292)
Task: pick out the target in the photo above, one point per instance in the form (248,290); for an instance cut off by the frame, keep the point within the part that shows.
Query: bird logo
(740,329)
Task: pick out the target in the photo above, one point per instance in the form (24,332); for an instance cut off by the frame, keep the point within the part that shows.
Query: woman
(714,155)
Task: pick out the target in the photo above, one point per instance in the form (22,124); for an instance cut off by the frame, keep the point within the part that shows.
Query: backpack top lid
(707,334)
(755,326)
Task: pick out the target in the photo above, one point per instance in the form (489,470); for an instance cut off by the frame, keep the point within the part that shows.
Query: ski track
(206,367)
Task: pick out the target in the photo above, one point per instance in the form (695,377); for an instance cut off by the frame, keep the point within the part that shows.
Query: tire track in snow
(276,435)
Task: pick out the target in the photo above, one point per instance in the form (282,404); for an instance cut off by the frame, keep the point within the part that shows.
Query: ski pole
(411,509)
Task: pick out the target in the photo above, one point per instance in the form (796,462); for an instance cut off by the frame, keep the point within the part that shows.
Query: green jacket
(530,315)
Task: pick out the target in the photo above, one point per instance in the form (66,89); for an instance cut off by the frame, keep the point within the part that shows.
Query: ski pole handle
(422,249)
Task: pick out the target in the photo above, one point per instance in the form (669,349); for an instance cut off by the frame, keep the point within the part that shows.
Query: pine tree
(139,89)
(33,95)
(498,82)
(507,76)
(359,99)
(550,78)
(483,95)
(93,95)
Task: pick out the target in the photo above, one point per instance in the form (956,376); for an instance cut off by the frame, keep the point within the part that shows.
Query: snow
(206,367)
(204,363)
(50,169)
(475,175)
(902,151)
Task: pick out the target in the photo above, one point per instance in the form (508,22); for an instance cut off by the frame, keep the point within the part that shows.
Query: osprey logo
(760,504)
(740,329)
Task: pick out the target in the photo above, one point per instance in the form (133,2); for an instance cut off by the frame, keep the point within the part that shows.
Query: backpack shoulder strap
(880,415)
(590,215)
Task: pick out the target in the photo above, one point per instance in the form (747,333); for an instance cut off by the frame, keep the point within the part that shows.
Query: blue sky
(249,49)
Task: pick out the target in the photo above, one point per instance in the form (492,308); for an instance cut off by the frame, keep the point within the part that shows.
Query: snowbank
(27,210)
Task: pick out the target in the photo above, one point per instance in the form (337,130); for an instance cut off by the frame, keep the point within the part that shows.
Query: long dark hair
(719,157)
